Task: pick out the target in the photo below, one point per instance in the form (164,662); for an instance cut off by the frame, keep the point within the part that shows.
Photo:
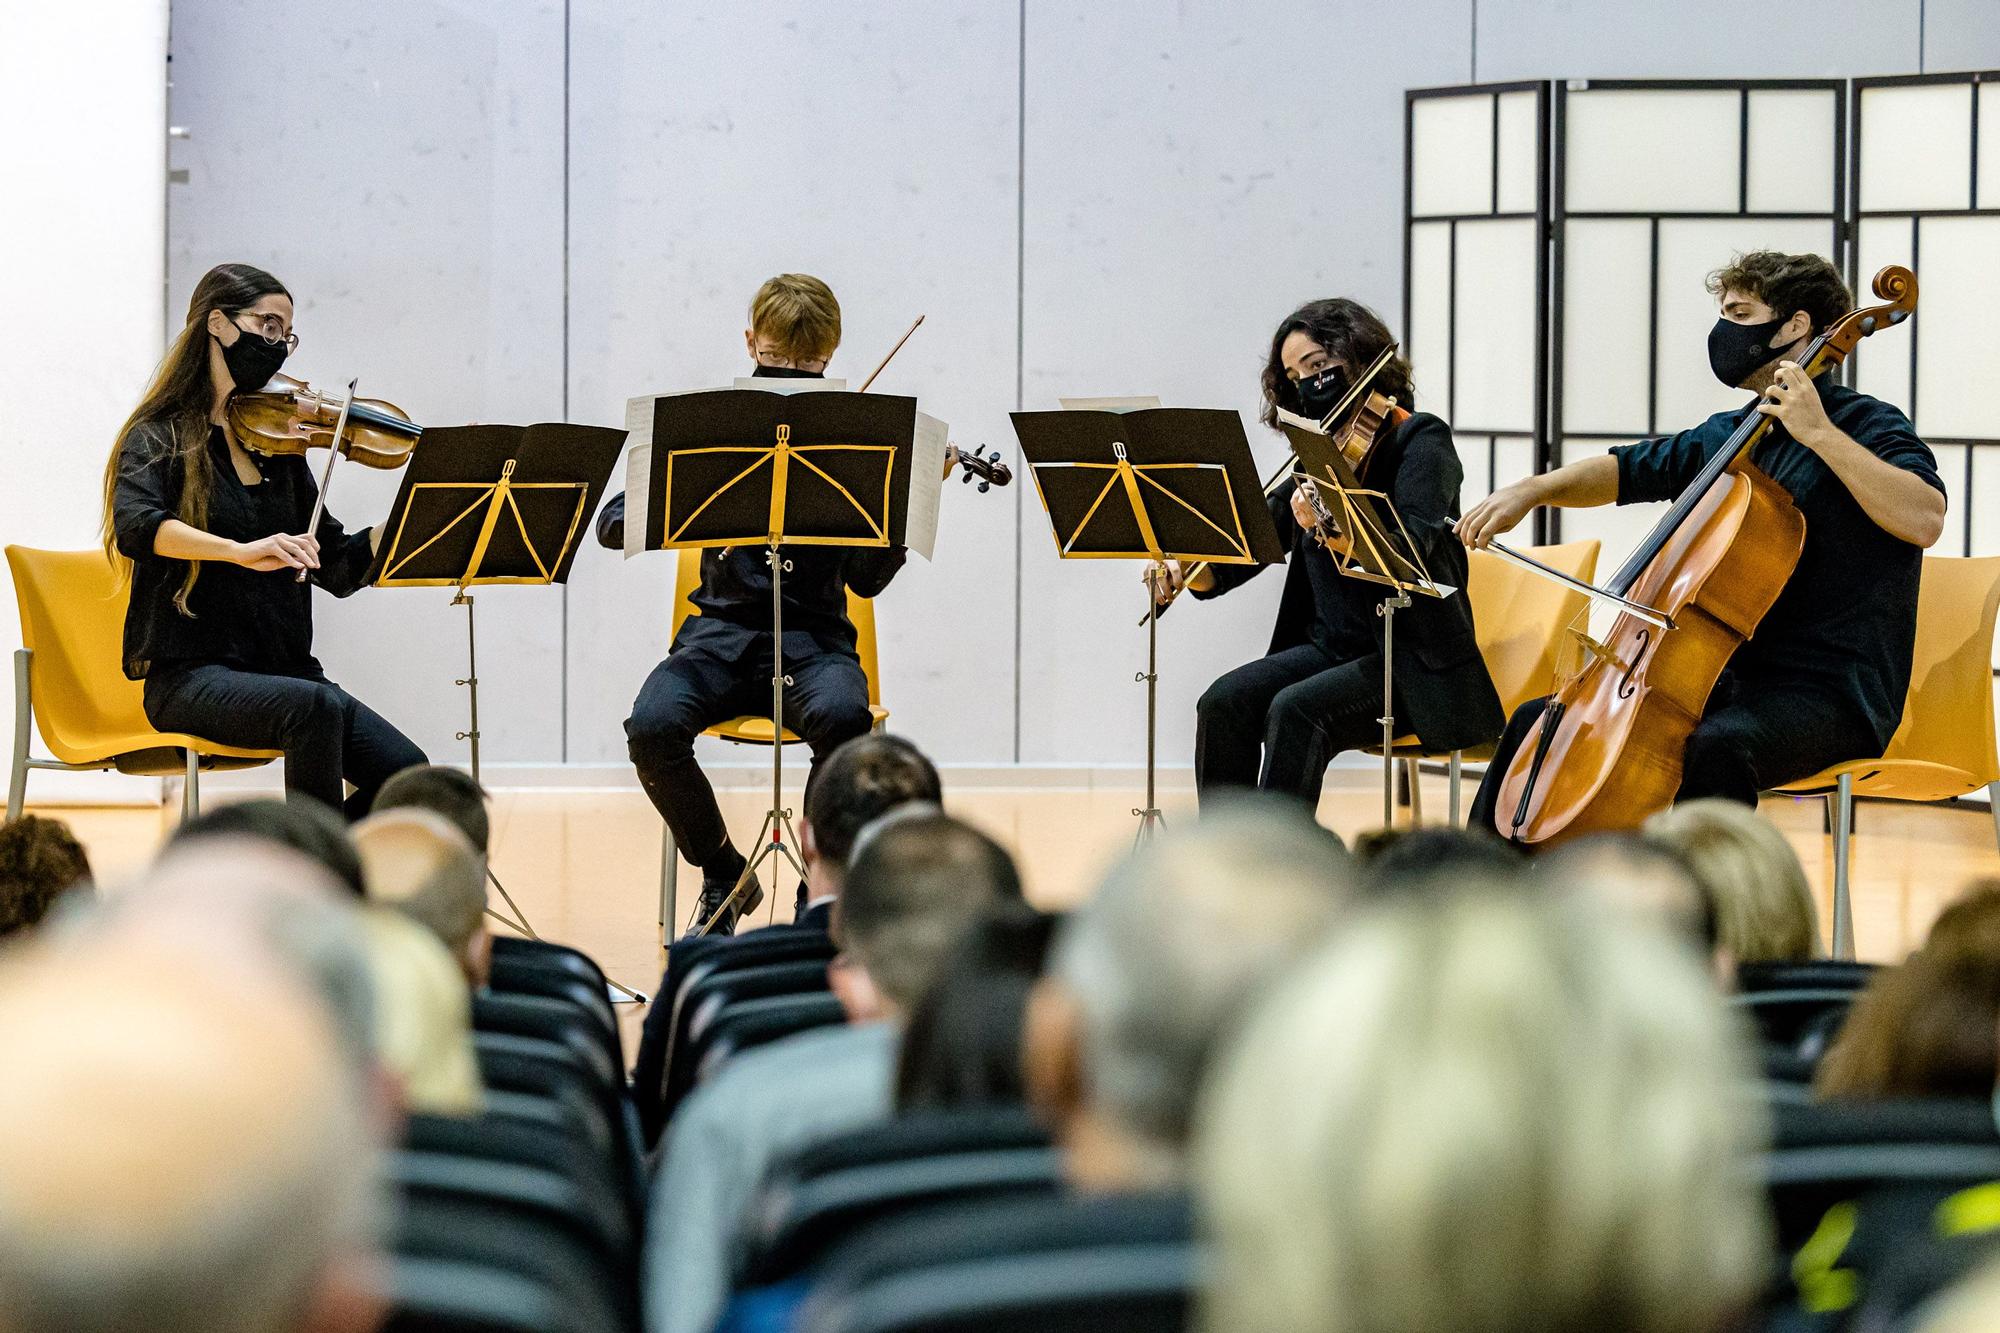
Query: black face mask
(1738,351)
(785,373)
(1321,391)
(252,361)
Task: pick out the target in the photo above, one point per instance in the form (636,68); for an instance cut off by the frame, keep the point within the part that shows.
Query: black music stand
(491,504)
(742,467)
(1155,484)
(1379,551)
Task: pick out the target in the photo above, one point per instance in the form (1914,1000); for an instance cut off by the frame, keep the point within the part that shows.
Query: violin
(1607,751)
(296,417)
(1362,413)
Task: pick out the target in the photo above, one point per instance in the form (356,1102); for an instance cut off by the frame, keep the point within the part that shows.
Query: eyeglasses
(811,365)
(268,327)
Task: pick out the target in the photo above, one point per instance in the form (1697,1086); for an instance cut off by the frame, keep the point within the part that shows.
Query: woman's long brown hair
(181,397)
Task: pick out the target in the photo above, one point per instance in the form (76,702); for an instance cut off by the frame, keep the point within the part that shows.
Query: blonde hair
(1763,905)
(423,1016)
(1484,1110)
(798,314)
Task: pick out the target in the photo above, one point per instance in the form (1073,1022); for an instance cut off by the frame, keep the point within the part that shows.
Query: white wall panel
(1693,39)
(409,192)
(1958,289)
(1791,166)
(1495,352)
(1428,339)
(1181,198)
(1451,144)
(82,226)
(1519,178)
(874,145)
(1653,150)
(1916,146)
(1606,314)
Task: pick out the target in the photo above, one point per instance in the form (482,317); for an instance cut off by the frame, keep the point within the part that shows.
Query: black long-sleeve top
(241,618)
(735,593)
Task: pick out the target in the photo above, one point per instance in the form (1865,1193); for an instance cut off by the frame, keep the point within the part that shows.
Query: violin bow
(892,354)
(326,476)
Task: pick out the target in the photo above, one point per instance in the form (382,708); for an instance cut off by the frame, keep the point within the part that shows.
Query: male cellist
(1822,680)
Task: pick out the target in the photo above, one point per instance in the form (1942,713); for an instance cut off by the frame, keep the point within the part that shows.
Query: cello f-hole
(1626,688)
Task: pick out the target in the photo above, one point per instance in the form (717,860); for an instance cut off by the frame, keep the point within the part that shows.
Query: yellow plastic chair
(755,729)
(69,683)
(1519,619)
(1945,746)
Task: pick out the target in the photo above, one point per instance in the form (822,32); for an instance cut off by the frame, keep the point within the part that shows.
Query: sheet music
(1108,404)
(1302,423)
(927,448)
(788,384)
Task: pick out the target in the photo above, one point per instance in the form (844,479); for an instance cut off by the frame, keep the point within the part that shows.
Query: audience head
(445,791)
(300,823)
(917,880)
(40,861)
(1646,878)
(1973,1306)
(1485,1110)
(1432,855)
(250,895)
(1763,905)
(181,1147)
(1149,974)
(416,862)
(962,1045)
(423,1016)
(1926,1028)
(850,789)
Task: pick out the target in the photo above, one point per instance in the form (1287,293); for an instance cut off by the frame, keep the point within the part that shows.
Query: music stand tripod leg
(1150,817)
(1387,610)
(775,837)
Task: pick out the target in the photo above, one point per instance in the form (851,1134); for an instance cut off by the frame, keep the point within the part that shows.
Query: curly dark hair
(1348,330)
(40,861)
(1787,284)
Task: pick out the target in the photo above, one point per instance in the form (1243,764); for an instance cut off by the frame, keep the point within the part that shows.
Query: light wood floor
(584,865)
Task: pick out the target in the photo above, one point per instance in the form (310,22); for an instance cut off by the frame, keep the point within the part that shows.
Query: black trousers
(1752,737)
(1277,722)
(826,704)
(326,733)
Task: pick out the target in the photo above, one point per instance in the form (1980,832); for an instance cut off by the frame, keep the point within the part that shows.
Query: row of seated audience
(287,1081)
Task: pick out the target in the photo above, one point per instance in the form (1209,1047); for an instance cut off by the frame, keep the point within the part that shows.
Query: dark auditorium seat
(822,1193)
(523,1191)
(462,1267)
(550,1020)
(1050,1264)
(753,1023)
(690,961)
(507,1138)
(552,978)
(1826,1153)
(705,997)
(545,1071)
(1813,974)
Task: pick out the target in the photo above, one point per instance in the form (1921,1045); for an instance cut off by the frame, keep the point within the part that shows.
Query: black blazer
(1441,680)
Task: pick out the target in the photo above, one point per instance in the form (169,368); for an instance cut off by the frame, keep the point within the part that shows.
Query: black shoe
(715,899)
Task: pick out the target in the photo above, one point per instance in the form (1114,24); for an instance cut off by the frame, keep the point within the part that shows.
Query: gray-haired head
(1162,960)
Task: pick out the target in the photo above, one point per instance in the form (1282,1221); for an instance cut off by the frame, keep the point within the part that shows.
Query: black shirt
(1846,623)
(241,618)
(735,593)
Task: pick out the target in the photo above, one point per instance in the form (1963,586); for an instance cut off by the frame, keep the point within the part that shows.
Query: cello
(1607,751)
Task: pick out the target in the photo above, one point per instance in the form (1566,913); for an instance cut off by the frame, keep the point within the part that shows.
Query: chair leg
(24,715)
(1412,775)
(1456,775)
(1843,850)
(191,788)
(669,883)
(1993,805)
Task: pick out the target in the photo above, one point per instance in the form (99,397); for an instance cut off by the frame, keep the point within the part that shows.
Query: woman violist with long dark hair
(219,626)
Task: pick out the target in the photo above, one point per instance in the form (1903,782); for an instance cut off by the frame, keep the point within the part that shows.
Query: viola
(988,471)
(1607,751)
(295,417)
